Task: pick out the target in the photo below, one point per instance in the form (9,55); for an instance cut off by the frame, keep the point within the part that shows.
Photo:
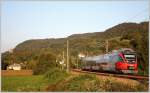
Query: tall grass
(90,83)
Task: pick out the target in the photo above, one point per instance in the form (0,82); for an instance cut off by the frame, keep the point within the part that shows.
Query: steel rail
(136,77)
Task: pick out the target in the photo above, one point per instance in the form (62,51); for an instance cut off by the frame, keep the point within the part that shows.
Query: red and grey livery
(123,60)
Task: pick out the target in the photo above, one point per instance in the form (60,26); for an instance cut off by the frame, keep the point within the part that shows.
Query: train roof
(126,49)
(98,57)
(114,52)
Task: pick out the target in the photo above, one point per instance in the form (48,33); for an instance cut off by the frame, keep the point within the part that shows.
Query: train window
(127,51)
(130,57)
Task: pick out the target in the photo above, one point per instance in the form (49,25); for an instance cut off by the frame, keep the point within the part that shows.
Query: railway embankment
(84,82)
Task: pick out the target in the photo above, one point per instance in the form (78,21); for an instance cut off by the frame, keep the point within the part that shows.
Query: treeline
(140,43)
(33,53)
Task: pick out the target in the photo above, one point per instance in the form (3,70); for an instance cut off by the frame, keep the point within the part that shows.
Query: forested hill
(80,41)
(130,35)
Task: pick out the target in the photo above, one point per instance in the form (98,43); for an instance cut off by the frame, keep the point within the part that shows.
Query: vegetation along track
(135,77)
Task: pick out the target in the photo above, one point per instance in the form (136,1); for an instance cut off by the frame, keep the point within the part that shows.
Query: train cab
(127,62)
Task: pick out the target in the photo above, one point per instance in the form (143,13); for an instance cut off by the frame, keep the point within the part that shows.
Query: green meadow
(23,83)
(61,82)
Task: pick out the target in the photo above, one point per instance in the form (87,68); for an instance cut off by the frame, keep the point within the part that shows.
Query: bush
(45,62)
(54,75)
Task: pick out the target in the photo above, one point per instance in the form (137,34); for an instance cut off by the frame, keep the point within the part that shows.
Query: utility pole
(63,60)
(63,56)
(77,63)
(106,46)
(67,55)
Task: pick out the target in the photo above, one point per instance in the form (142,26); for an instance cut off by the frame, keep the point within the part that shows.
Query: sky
(24,20)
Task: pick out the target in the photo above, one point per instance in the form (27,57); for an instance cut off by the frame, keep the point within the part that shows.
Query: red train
(123,60)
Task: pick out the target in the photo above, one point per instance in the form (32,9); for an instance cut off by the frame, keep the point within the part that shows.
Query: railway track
(135,77)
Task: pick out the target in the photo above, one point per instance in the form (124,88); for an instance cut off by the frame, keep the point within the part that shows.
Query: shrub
(45,62)
(54,75)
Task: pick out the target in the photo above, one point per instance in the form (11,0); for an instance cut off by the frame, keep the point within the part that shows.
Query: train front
(127,62)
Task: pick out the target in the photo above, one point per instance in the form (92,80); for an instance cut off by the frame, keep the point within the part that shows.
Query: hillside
(115,31)
(133,35)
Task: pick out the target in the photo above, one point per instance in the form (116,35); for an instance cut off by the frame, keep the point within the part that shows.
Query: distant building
(81,55)
(14,67)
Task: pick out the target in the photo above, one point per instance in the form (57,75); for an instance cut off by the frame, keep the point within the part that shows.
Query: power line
(106,46)
(139,13)
(67,55)
(106,42)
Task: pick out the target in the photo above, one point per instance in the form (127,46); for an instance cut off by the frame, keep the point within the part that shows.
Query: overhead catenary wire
(123,32)
(133,17)
(136,15)
(68,65)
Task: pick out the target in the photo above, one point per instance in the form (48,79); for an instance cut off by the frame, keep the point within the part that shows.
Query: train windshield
(130,57)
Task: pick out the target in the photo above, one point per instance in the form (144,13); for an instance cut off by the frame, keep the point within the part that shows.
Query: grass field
(32,83)
(57,80)
(23,83)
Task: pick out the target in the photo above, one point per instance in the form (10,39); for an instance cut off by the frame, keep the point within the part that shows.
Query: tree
(7,59)
(140,43)
(45,62)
